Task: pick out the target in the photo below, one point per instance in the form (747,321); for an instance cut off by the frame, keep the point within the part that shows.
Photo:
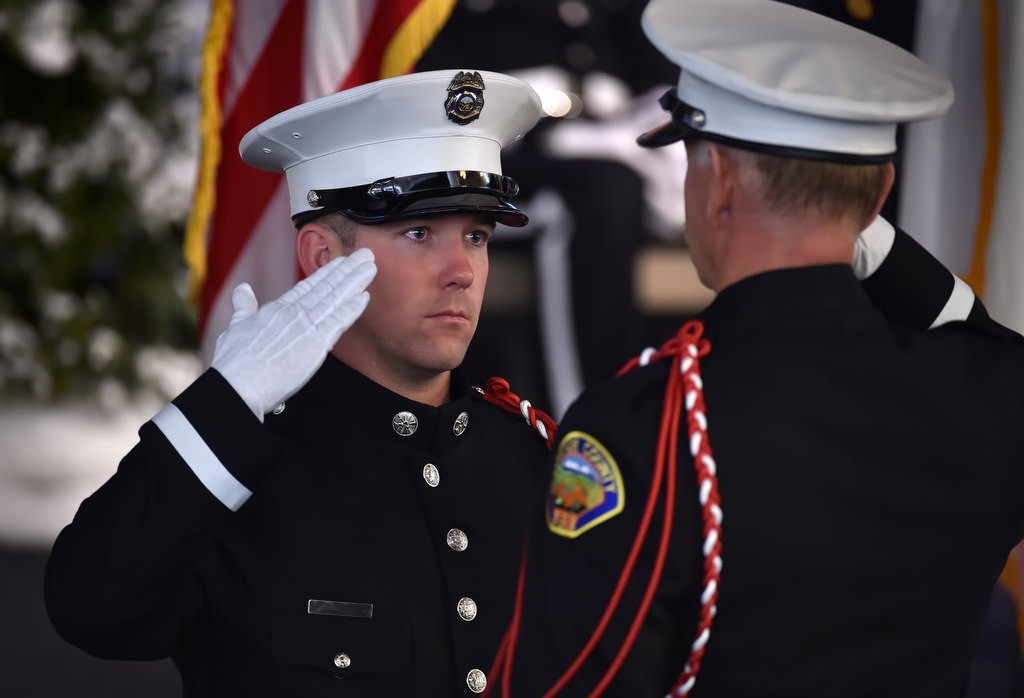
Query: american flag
(261,57)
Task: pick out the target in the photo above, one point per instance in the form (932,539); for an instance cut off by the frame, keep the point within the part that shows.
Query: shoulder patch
(586,486)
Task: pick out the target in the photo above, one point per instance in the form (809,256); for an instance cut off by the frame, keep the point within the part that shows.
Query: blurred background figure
(102,319)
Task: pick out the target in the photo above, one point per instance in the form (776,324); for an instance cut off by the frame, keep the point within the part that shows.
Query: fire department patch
(586,486)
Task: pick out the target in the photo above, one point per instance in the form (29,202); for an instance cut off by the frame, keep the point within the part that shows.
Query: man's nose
(456,268)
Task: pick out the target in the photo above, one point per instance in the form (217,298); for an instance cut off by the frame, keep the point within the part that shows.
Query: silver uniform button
(457,540)
(476,680)
(467,608)
(342,660)
(431,474)
(405,423)
(461,422)
(279,409)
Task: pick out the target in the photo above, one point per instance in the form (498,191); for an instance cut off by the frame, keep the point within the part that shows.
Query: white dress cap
(445,121)
(764,75)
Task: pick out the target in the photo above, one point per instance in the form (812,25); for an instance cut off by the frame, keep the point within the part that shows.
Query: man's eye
(478,237)
(416,233)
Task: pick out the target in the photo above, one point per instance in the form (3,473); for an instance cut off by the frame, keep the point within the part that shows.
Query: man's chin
(441,350)
(449,362)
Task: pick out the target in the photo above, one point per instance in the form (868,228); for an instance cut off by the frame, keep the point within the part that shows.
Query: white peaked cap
(769,76)
(395,128)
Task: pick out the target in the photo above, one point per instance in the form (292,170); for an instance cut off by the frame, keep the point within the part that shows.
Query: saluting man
(332,509)
(802,494)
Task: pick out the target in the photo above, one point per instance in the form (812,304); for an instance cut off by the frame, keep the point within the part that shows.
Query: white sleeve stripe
(958,306)
(203,462)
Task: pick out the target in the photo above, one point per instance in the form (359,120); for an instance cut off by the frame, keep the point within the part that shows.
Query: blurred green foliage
(97,151)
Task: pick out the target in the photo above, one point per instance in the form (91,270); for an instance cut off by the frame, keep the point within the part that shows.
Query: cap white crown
(765,72)
(389,128)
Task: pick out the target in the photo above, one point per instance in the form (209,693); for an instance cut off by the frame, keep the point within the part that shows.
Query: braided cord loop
(683,390)
(499,393)
(711,506)
(684,387)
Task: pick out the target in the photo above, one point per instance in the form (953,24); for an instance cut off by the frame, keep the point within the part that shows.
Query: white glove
(872,247)
(268,353)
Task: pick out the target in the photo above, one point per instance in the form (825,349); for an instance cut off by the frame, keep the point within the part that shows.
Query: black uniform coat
(872,482)
(154,565)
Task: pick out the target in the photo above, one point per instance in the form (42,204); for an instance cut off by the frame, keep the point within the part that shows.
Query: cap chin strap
(383,199)
(452,181)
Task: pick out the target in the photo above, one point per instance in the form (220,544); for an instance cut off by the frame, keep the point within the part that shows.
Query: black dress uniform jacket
(341,510)
(872,482)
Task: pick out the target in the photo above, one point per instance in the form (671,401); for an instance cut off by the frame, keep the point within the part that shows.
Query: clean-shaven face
(425,300)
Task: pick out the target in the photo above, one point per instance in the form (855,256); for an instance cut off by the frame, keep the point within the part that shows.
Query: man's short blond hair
(344,227)
(835,190)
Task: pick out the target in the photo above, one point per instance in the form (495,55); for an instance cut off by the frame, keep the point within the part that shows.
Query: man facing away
(331,509)
(801,495)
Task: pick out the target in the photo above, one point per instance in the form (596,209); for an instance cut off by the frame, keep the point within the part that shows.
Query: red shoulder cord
(499,393)
(684,384)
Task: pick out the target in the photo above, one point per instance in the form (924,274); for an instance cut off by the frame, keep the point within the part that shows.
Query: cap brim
(665,134)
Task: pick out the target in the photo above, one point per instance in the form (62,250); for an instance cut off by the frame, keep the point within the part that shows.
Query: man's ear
(721,187)
(890,178)
(315,246)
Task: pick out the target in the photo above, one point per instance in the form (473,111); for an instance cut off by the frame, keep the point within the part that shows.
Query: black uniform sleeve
(912,287)
(122,578)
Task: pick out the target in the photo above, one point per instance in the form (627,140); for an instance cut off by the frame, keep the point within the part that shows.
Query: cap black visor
(416,195)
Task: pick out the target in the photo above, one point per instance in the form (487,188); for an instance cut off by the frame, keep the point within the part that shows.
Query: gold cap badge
(465,98)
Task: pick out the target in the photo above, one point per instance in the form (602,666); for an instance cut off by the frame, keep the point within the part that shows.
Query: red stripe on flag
(387,18)
(243,192)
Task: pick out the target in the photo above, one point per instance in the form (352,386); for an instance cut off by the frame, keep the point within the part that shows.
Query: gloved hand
(268,353)
(872,247)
